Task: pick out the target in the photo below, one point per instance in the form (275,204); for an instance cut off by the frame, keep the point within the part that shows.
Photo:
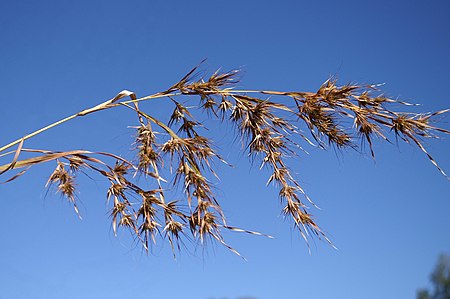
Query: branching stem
(105,105)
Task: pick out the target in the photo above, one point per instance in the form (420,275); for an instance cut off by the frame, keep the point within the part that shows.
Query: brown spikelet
(272,126)
(65,184)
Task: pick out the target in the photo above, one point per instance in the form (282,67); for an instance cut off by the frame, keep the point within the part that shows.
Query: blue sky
(388,218)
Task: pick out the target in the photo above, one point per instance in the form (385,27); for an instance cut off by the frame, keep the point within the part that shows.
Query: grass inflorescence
(269,124)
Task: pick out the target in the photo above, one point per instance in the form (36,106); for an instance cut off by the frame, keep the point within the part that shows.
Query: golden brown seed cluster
(177,154)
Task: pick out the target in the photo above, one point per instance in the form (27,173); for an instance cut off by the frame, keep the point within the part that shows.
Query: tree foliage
(273,126)
(440,278)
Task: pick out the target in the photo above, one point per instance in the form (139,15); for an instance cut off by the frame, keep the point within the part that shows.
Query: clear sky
(390,218)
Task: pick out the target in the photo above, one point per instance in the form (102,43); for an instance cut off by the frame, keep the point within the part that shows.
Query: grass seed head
(268,127)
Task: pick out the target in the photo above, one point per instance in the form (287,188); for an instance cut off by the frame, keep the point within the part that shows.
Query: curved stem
(110,104)
(37,132)
(151,118)
(105,105)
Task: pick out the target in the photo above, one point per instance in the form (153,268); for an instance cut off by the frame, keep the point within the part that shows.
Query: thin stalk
(151,97)
(102,106)
(38,132)
(270,92)
(151,118)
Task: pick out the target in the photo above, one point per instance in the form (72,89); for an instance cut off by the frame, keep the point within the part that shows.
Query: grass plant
(271,126)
